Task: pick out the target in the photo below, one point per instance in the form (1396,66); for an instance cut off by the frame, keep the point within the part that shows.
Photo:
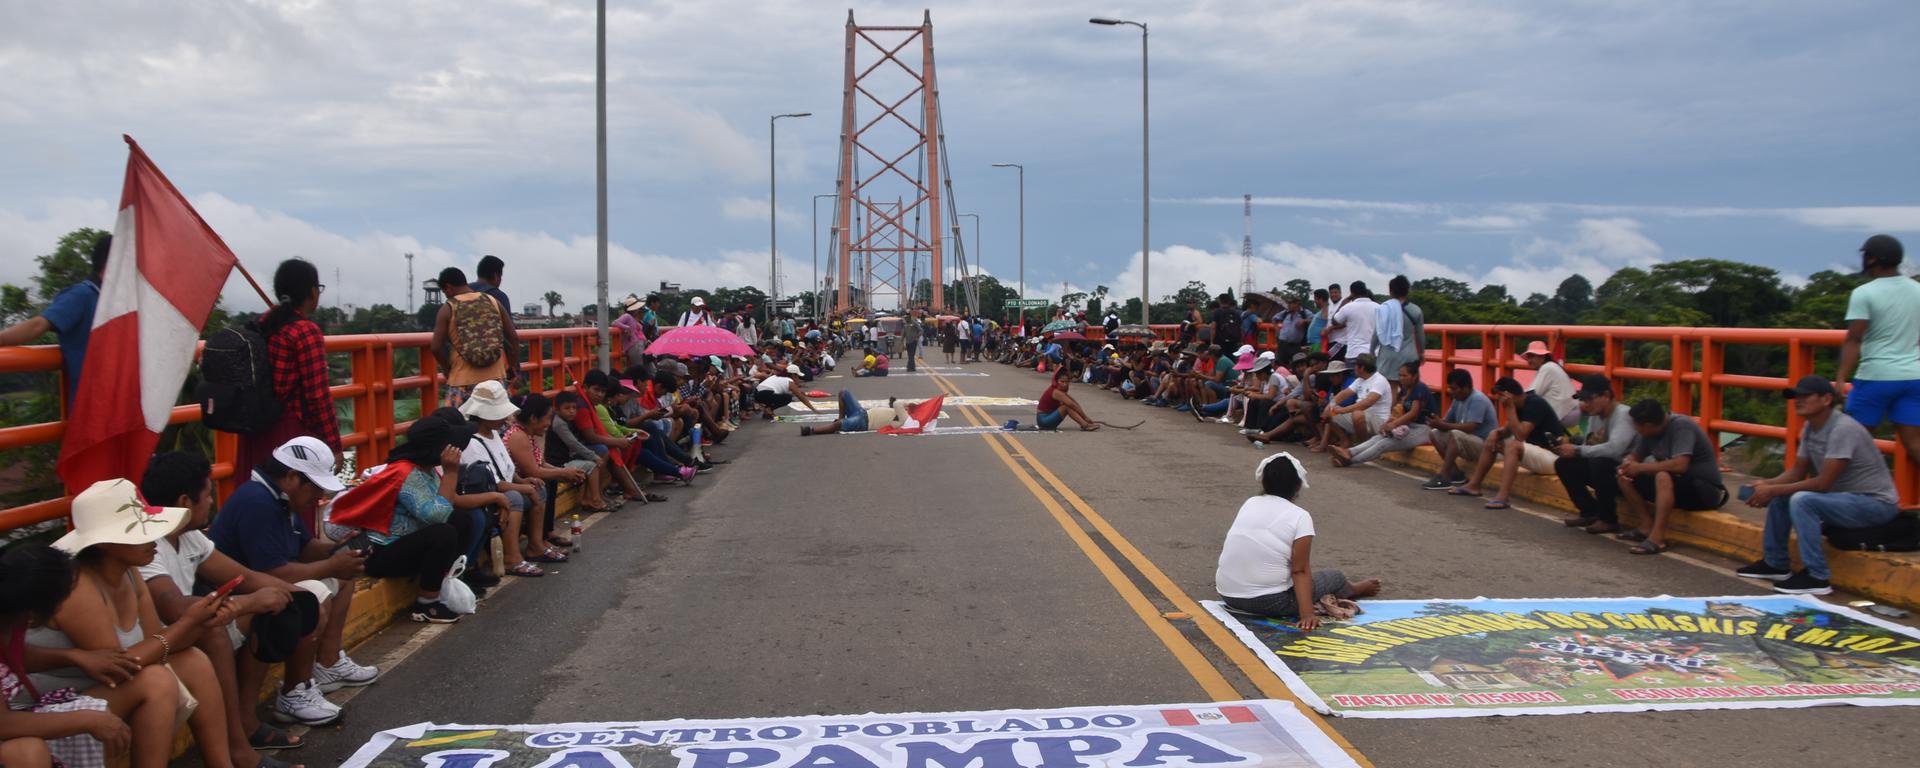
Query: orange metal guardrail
(1697,379)
(372,388)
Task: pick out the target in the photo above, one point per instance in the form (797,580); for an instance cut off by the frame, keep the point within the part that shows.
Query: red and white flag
(920,417)
(164,274)
(1208,715)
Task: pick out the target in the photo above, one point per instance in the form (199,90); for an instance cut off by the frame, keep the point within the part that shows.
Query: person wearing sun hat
(633,335)
(1551,382)
(114,533)
(486,466)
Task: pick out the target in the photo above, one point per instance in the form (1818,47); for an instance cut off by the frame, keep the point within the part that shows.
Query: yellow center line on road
(1257,672)
(1196,664)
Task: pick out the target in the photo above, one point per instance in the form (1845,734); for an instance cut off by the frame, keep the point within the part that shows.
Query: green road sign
(1028,303)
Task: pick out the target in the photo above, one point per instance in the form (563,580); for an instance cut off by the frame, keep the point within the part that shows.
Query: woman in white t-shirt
(1264,564)
(1551,383)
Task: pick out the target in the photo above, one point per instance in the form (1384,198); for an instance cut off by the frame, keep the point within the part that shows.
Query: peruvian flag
(164,274)
(921,416)
(1208,715)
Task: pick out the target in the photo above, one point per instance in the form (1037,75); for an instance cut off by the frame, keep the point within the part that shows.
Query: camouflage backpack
(477,330)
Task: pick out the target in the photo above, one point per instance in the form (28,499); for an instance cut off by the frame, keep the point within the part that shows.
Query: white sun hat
(488,401)
(112,512)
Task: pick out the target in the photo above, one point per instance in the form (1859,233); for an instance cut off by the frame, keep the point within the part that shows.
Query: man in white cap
(779,389)
(697,314)
(186,557)
(267,525)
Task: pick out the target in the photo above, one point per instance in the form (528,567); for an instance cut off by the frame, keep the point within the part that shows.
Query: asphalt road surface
(852,574)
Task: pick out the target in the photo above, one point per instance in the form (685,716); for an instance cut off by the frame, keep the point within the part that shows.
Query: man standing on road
(910,335)
(1837,477)
(490,270)
(1882,350)
(1355,321)
(1673,463)
(1590,471)
(470,336)
(70,315)
(1290,326)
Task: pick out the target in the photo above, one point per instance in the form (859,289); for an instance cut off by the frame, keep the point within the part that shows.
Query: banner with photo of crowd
(1271,734)
(1468,658)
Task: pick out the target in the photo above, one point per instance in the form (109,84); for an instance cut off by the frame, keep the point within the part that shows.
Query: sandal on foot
(267,738)
(1631,535)
(525,568)
(1647,548)
(1458,491)
(548,556)
(560,542)
(655,498)
(1498,504)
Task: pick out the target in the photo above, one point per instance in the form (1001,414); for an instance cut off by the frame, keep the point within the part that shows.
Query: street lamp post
(773,218)
(600,190)
(816,253)
(1146,200)
(1023,235)
(976,256)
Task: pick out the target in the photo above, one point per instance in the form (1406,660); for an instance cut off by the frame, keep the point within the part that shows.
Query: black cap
(1811,385)
(1594,386)
(1882,250)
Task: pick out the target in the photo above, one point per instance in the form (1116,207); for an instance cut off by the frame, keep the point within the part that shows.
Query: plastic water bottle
(573,525)
(696,452)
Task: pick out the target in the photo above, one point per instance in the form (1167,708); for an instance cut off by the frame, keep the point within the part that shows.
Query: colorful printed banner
(1270,734)
(1468,658)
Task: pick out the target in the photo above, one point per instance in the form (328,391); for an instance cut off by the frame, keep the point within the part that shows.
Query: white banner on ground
(1269,734)
(982,401)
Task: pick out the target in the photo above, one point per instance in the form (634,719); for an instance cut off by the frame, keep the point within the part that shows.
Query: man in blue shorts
(853,417)
(1882,350)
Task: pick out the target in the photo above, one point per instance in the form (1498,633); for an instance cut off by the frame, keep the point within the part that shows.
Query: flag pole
(134,146)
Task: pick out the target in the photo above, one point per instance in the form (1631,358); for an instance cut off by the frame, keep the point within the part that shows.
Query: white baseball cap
(1244,349)
(793,369)
(310,457)
(699,302)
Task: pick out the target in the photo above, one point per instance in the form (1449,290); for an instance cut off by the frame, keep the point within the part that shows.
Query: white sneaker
(343,674)
(1226,420)
(304,705)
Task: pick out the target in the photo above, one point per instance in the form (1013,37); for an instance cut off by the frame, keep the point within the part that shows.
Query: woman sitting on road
(110,614)
(1265,566)
(1056,405)
(130,709)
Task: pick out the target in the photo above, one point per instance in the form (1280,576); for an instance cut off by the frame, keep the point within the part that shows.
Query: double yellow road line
(1026,467)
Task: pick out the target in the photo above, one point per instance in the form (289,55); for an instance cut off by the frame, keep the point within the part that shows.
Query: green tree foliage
(553,300)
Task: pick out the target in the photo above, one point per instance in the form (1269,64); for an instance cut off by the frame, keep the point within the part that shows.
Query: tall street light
(773,216)
(1145,177)
(816,253)
(1023,236)
(600,189)
(977,250)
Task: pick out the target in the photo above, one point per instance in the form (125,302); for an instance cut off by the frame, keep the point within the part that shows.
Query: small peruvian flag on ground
(1208,715)
(920,416)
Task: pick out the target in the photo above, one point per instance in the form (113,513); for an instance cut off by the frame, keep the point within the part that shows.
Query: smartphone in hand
(227,588)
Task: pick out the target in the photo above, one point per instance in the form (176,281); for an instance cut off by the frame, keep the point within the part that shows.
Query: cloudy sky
(1485,140)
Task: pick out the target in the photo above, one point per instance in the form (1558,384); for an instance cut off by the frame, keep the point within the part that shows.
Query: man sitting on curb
(1838,477)
(1462,433)
(1590,471)
(1533,430)
(1673,462)
(262,527)
(187,556)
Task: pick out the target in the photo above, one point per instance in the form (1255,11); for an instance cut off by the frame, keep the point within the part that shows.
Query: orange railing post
(1679,395)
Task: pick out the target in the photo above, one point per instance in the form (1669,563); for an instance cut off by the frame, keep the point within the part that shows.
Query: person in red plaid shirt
(298,352)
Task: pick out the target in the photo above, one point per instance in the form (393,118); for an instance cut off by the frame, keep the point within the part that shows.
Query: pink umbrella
(698,341)
(1069,336)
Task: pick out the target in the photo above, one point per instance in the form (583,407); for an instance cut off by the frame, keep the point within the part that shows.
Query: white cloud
(740,208)
(1490,222)
(1498,217)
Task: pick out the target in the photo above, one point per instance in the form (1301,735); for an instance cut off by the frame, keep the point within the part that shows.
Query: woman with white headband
(1265,563)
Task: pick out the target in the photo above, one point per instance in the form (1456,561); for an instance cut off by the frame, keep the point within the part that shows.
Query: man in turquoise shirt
(1882,350)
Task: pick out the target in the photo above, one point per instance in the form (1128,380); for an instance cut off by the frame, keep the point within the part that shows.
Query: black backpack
(236,381)
(1900,535)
